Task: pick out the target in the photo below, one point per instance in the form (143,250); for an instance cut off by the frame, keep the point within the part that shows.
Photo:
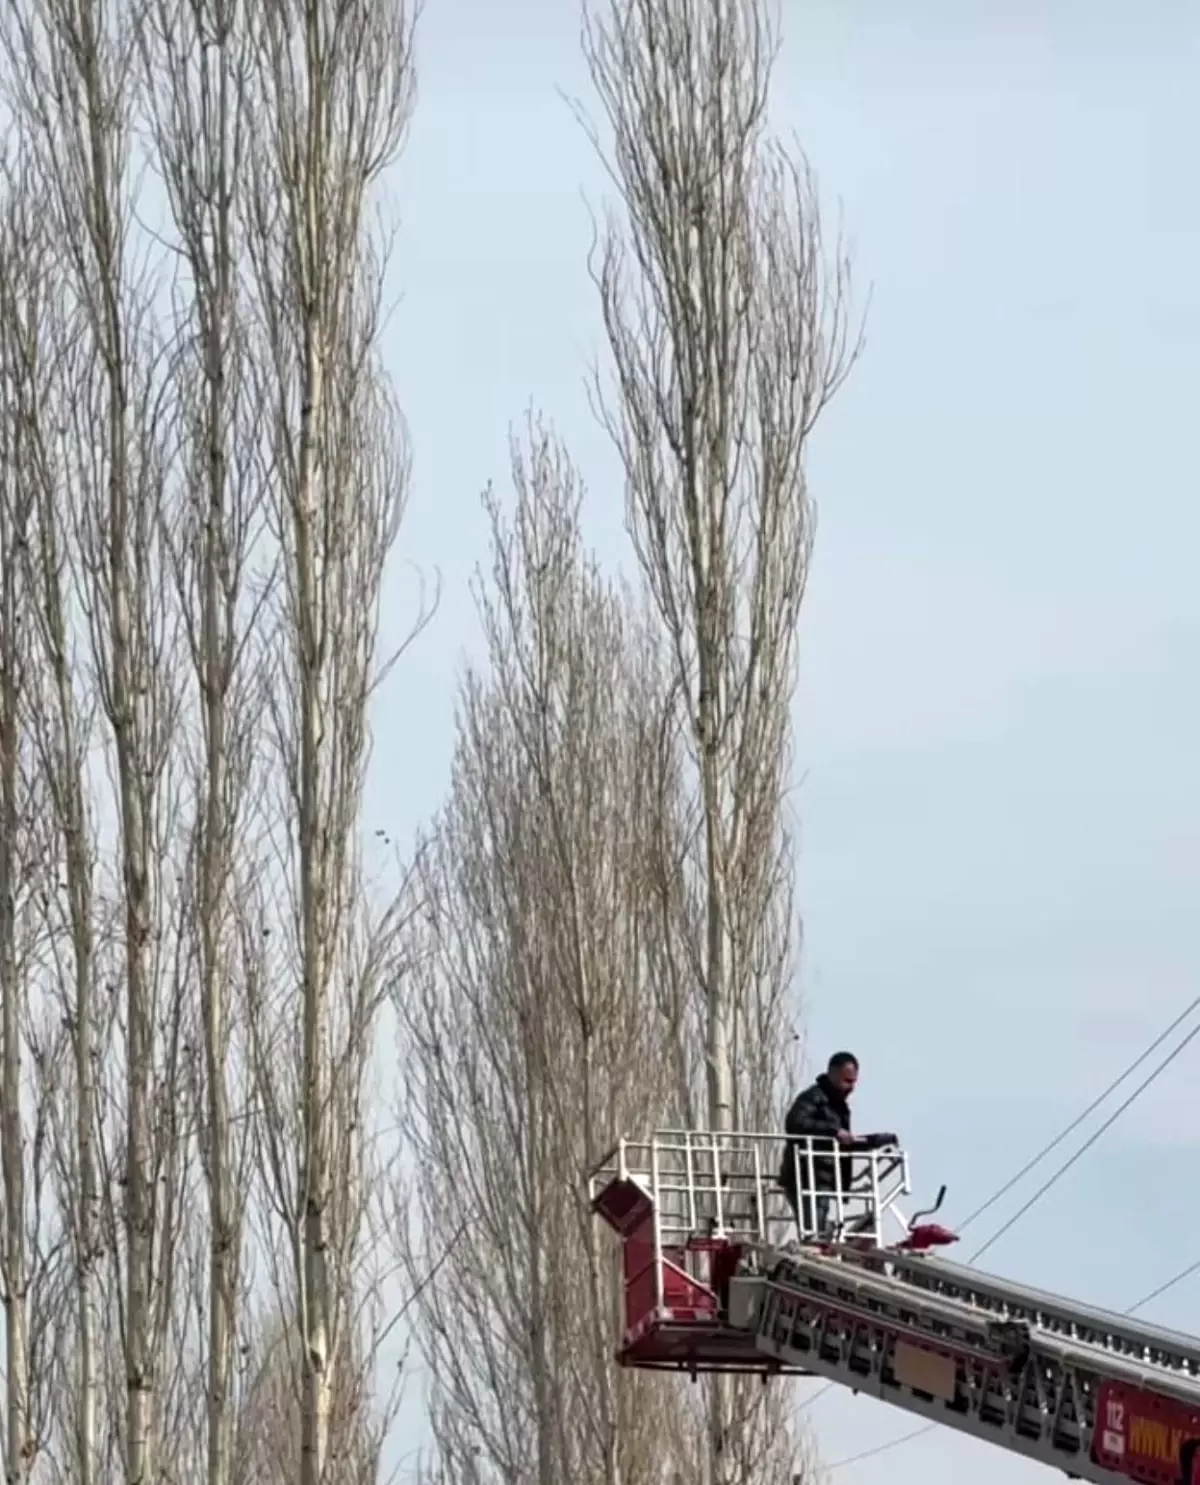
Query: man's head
(842,1072)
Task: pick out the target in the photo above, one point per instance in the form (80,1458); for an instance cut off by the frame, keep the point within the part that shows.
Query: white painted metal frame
(725,1185)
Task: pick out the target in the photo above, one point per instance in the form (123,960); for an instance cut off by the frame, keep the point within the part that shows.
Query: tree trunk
(317,1359)
(13,1268)
(223,1238)
(139,1047)
(62,756)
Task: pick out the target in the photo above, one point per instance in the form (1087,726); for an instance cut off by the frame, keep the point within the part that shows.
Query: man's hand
(844,1137)
(881,1141)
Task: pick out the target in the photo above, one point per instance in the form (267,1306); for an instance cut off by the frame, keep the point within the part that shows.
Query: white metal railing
(726,1184)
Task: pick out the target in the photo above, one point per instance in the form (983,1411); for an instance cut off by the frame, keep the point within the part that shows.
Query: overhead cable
(1088,1143)
(1081,1118)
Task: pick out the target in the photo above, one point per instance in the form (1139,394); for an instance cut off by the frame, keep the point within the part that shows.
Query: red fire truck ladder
(719,1275)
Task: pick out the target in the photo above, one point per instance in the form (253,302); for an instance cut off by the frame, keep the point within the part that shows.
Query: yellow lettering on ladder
(1154,1440)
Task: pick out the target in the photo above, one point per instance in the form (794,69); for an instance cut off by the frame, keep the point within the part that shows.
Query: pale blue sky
(998,722)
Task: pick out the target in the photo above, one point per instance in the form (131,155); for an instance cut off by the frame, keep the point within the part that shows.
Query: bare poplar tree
(72,69)
(37,342)
(527,1022)
(729,332)
(331,91)
(196,58)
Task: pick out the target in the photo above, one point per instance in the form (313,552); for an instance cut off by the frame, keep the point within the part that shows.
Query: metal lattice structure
(722,1272)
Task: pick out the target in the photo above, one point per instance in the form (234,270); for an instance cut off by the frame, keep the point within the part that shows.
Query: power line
(1037,1196)
(1184,1273)
(883,1448)
(1088,1143)
(1081,1118)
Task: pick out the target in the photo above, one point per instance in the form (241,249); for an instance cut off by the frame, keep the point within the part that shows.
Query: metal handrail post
(659,1294)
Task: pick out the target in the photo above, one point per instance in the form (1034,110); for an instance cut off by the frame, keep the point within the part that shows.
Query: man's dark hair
(840,1060)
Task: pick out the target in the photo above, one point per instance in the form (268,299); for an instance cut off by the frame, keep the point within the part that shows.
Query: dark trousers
(811,1214)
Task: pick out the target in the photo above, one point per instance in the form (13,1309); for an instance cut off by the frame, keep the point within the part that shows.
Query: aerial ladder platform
(720,1274)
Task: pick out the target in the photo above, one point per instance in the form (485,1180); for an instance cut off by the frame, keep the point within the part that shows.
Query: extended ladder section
(1100,1396)
(714,1282)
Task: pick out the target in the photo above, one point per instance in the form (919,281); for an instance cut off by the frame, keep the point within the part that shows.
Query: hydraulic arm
(720,1273)
(1102,1397)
